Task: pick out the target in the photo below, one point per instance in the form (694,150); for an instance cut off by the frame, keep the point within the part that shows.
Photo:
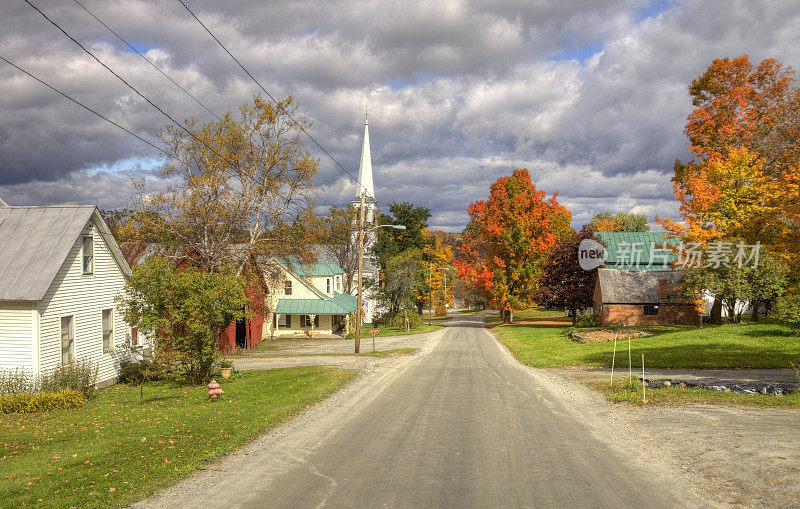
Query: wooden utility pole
(360,269)
(430,297)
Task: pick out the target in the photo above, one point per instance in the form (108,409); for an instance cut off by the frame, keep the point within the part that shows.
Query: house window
(650,310)
(305,321)
(88,254)
(134,336)
(663,288)
(108,330)
(67,339)
(287,287)
(328,285)
(338,283)
(280,321)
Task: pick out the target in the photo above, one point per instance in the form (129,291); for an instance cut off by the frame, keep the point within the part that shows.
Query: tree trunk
(716,312)
(405,320)
(754,315)
(574,315)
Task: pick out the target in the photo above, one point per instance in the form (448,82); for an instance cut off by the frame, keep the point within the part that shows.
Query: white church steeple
(365,167)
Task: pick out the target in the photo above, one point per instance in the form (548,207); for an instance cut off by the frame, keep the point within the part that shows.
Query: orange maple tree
(507,239)
(741,178)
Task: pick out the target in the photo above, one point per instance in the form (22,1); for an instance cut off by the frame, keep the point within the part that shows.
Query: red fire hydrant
(213,390)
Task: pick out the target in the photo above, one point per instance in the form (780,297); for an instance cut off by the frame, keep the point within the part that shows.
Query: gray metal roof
(637,286)
(35,242)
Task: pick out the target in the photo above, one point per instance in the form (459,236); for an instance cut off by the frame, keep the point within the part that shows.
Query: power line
(147,60)
(317,195)
(160,110)
(151,103)
(87,108)
(300,127)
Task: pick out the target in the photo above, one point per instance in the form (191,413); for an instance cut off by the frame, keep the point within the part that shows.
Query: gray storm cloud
(590,96)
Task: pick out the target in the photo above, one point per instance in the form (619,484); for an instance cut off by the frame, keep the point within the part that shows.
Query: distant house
(637,285)
(60,273)
(312,300)
(634,297)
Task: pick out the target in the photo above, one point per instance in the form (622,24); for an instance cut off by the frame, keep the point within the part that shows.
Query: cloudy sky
(590,96)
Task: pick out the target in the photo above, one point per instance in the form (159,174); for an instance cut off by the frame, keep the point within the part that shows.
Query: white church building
(365,185)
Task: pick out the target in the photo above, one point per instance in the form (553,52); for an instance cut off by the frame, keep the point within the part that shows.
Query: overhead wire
(299,126)
(158,108)
(123,80)
(87,108)
(132,48)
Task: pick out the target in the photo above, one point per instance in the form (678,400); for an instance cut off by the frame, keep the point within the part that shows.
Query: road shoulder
(729,455)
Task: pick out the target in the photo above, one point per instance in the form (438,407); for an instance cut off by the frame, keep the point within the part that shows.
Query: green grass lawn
(630,391)
(399,331)
(116,450)
(754,345)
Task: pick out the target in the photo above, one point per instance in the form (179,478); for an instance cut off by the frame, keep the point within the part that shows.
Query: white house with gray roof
(60,273)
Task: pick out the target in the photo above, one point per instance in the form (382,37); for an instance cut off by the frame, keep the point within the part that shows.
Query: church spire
(365,167)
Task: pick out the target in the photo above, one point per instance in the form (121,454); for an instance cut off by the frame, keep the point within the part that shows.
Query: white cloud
(590,96)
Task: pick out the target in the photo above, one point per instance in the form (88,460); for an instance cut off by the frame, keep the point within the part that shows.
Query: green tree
(735,286)
(391,242)
(184,311)
(404,280)
(787,309)
(619,222)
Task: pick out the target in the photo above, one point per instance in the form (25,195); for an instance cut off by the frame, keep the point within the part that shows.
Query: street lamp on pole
(360,303)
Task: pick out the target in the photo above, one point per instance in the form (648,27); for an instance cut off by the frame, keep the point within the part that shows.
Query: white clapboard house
(60,273)
(312,301)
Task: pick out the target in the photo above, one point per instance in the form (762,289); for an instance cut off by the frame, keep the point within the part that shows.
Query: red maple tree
(507,239)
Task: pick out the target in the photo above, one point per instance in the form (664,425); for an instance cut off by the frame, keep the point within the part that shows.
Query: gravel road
(462,423)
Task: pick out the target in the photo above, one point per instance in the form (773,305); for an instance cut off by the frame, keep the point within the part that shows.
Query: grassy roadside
(734,346)
(385,330)
(630,391)
(116,450)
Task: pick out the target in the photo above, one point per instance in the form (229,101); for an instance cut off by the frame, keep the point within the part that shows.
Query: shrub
(414,320)
(26,403)
(79,376)
(381,319)
(135,373)
(14,381)
(787,310)
(586,321)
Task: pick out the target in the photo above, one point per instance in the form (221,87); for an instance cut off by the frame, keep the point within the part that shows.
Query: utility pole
(444,279)
(430,297)
(360,269)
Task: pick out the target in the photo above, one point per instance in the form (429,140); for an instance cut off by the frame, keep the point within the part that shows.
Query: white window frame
(337,283)
(282,320)
(328,285)
(87,241)
(287,285)
(110,332)
(70,337)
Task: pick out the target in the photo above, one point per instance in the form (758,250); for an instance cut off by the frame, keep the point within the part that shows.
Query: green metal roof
(346,301)
(632,250)
(340,304)
(314,269)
